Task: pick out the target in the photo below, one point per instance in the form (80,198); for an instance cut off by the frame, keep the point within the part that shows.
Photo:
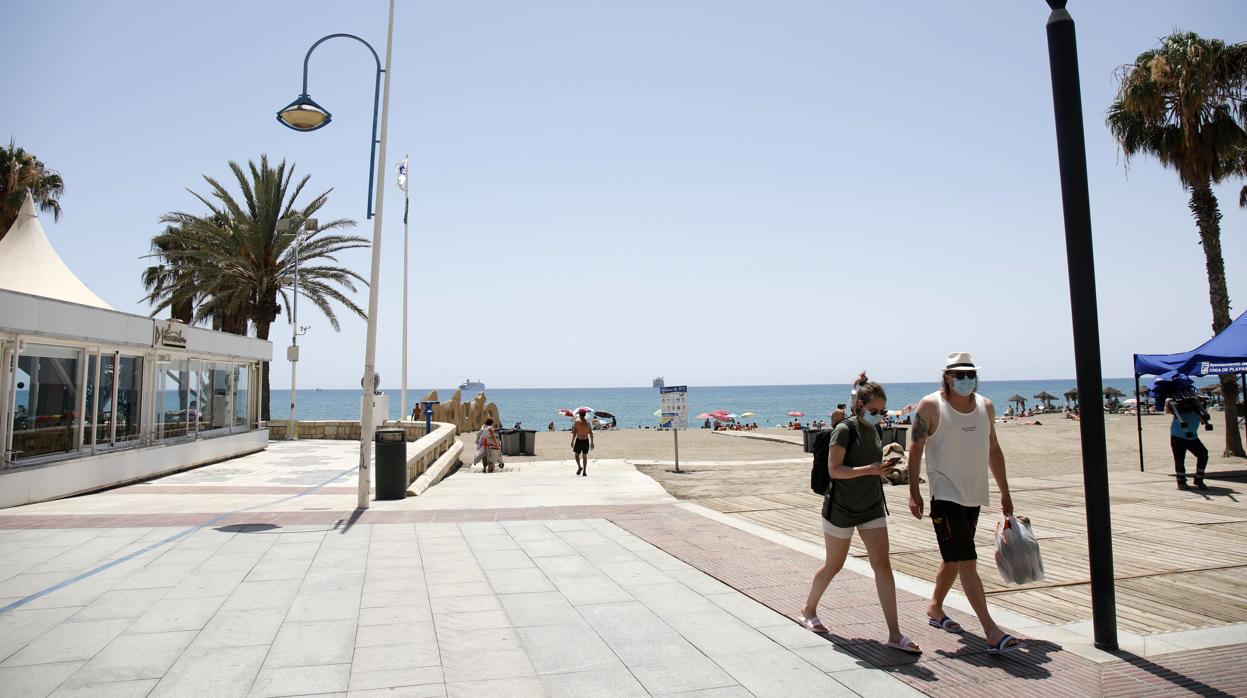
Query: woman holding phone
(855,500)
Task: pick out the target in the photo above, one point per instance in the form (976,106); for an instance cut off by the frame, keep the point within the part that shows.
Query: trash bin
(391,463)
(528,442)
(511,443)
(808,436)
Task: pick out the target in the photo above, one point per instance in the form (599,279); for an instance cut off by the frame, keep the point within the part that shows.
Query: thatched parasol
(1110,391)
(1046,398)
(1212,389)
(1071,394)
(1021,401)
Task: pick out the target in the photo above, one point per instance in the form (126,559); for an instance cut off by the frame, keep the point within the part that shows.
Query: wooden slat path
(1180,558)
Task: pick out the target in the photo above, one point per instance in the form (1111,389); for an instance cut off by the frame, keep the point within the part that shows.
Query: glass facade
(127,414)
(242,396)
(175,415)
(45,417)
(58,401)
(213,396)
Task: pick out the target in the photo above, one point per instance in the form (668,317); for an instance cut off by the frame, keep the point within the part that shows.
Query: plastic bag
(1017,551)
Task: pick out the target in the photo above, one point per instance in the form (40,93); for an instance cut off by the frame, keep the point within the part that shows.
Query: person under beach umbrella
(1021,401)
(1046,398)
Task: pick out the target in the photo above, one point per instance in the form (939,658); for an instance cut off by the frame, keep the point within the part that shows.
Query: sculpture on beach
(466,416)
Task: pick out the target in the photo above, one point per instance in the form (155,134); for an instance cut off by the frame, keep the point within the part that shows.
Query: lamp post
(285,225)
(304,114)
(1072,156)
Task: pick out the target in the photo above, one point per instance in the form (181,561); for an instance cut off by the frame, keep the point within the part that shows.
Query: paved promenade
(255,577)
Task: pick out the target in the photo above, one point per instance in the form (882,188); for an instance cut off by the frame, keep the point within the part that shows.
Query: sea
(535,408)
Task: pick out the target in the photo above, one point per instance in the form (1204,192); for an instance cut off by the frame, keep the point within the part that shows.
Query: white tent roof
(28,264)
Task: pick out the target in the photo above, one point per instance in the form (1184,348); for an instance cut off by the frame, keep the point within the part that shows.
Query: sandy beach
(1031,450)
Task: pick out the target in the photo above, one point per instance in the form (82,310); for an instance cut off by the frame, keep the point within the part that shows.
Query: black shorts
(954,529)
(581,446)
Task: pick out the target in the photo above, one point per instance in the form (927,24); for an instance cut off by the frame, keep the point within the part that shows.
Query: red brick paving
(290,518)
(952,665)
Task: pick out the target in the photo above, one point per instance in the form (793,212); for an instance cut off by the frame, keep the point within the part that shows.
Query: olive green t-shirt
(855,501)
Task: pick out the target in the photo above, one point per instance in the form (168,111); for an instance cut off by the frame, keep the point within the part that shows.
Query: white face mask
(965,387)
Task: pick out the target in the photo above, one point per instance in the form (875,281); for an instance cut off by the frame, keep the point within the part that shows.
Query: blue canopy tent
(1226,353)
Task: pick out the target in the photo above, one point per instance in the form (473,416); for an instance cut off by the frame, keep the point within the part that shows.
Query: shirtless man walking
(956,427)
(582,442)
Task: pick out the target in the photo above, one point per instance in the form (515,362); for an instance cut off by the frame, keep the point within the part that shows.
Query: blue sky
(721,192)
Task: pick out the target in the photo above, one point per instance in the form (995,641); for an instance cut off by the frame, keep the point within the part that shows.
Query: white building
(91,397)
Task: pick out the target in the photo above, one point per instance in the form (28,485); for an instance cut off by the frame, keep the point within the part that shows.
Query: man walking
(955,427)
(582,442)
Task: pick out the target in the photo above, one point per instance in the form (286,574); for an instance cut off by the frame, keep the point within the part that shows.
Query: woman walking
(855,501)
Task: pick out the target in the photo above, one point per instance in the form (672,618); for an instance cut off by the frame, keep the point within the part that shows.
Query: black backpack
(820,477)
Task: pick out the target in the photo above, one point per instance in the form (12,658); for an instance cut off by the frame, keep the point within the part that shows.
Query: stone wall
(344,430)
(423,450)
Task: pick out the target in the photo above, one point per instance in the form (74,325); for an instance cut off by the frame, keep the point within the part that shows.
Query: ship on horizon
(469,384)
(659,382)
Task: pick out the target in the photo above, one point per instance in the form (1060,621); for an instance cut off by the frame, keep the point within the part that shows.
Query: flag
(401,168)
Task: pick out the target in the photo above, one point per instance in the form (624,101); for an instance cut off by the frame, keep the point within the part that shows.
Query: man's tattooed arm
(920,430)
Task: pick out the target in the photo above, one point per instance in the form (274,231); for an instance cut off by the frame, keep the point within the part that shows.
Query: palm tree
(243,268)
(1183,104)
(21,172)
(171,284)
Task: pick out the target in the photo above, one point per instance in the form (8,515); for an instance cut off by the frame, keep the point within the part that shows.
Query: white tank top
(957,454)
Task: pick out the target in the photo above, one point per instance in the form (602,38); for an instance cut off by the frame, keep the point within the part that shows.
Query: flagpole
(402,412)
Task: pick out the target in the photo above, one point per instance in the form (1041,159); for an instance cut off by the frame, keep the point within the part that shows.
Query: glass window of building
(242,397)
(99,402)
(174,408)
(213,396)
(128,411)
(45,419)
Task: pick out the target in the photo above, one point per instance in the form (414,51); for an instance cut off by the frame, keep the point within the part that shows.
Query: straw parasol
(1114,393)
(1071,394)
(1046,398)
(1021,401)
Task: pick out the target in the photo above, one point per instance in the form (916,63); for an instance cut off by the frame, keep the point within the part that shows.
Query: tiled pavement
(226,593)
(572,607)
(951,665)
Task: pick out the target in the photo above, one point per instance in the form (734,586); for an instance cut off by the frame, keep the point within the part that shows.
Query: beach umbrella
(703,415)
(750,414)
(909,408)
(796,413)
(1071,394)
(582,408)
(566,412)
(1046,398)
(605,415)
(1110,391)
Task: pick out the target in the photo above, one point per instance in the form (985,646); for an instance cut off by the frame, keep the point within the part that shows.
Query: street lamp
(285,225)
(303,114)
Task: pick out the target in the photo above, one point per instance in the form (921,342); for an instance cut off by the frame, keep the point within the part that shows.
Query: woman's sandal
(812,623)
(905,645)
(946,624)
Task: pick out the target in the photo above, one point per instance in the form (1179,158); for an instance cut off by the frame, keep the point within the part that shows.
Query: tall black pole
(1138,416)
(1072,154)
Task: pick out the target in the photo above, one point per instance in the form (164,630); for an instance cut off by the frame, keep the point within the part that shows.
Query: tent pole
(1138,415)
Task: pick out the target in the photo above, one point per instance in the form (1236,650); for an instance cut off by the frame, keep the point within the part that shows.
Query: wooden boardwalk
(1180,558)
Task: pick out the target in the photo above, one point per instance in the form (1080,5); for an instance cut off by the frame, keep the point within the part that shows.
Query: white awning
(28,264)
